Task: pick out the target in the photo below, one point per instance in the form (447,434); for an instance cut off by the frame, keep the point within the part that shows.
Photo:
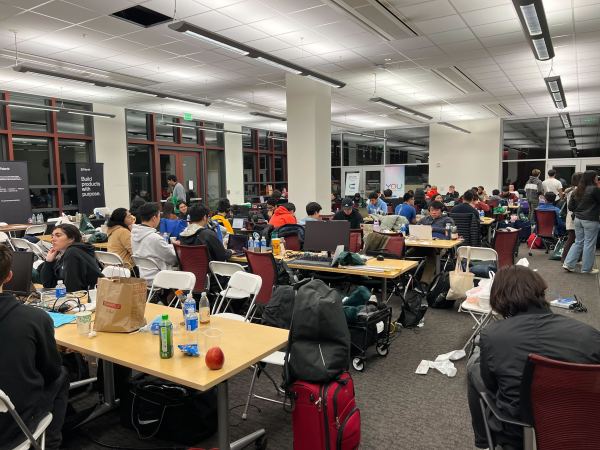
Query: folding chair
(37,250)
(34,439)
(225,270)
(20,244)
(116,271)
(263,264)
(108,259)
(241,285)
(34,230)
(172,279)
(544,229)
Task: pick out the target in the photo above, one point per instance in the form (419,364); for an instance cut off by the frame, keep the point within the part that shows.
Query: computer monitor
(22,264)
(238,223)
(240,211)
(326,235)
(237,242)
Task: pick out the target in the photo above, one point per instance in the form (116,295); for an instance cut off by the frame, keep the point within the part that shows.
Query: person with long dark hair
(70,260)
(570,220)
(119,235)
(585,204)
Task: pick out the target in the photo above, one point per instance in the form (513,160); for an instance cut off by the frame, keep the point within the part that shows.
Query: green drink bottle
(166,337)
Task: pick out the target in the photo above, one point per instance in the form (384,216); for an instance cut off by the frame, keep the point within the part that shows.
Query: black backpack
(437,291)
(278,312)
(413,308)
(318,347)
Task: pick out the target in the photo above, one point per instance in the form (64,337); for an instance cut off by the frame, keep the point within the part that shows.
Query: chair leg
(488,432)
(251,392)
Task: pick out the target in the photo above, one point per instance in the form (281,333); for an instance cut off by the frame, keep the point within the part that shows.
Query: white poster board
(394,180)
(352,183)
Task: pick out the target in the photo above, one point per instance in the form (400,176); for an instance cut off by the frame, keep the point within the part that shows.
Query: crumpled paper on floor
(443,363)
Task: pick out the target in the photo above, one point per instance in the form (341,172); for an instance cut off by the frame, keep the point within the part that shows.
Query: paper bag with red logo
(120,305)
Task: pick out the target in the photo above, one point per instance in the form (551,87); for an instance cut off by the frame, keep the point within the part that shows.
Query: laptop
(238,223)
(236,243)
(309,259)
(420,232)
(22,263)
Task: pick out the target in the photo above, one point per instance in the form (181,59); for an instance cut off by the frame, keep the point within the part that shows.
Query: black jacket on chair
(468,227)
(506,345)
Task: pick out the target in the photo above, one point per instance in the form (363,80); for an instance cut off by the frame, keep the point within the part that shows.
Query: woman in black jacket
(70,260)
(585,204)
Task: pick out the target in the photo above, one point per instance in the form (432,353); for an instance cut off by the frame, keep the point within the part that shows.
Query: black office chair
(468,227)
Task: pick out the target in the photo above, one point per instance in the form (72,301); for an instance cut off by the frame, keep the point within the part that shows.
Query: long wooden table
(11,228)
(99,246)
(437,244)
(242,343)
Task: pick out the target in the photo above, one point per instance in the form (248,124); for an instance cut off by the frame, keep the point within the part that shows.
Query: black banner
(90,187)
(15,200)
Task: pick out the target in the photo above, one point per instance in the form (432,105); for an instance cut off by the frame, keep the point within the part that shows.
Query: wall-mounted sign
(15,199)
(352,183)
(90,187)
(394,180)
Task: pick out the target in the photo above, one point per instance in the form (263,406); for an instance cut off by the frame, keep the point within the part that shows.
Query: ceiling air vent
(458,79)
(142,16)
(377,16)
(498,109)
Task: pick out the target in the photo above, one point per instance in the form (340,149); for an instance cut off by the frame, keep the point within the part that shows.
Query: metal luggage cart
(372,329)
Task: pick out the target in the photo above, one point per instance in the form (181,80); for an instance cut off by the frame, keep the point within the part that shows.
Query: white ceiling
(481,37)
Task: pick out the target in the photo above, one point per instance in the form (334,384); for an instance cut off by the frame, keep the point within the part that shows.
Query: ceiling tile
(213,21)
(110,25)
(490,15)
(276,26)
(587,13)
(491,29)
(185,8)
(449,37)
(441,24)
(470,5)
(103,6)
(243,33)
(427,10)
(290,6)
(320,15)
(249,11)
(269,44)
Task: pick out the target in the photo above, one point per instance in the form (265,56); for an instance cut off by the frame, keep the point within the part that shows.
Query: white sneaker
(567,268)
(593,271)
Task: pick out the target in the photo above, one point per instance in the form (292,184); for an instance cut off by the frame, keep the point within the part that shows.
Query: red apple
(214,358)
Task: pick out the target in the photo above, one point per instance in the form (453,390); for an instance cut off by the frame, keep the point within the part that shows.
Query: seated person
(313,212)
(119,235)
(468,205)
(31,373)
(482,194)
(479,204)
(497,197)
(170,223)
(357,200)
(349,213)
(513,191)
(452,194)
(283,215)
(183,210)
(407,208)
(432,192)
(529,326)
(70,260)
(147,243)
(271,205)
(376,205)
(437,220)
(440,199)
(223,212)
(549,205)
(198,233)
(387,193)
(278,197)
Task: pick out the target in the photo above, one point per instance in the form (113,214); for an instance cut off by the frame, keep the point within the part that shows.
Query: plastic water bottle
(376,226)
(188,217)
(481,214)
(61,290)
(165,236)
(263,244)
(165,333)
(189,305)
(250,244)
(40,218)
(204,309)
(257,245)
(32,219)
(448,231)
(191,328)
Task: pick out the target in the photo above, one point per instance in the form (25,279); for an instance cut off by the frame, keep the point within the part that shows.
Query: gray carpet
(400,410)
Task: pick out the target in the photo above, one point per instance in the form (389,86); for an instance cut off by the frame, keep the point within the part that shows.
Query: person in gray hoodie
(533,189)
(147,243)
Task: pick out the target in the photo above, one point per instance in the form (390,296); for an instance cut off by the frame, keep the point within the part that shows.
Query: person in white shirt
(551,184)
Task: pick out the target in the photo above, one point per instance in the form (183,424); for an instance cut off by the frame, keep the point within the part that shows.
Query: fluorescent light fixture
(572,143)
(210,37)
(231,48)
(553,85)
(36,107)
(267,115)
(535,26)
(566,120)
(399,108)
(328,82)
(454,127)
(556,96)
(83,112)
(531,19)
(23,68)
(370,136)
(570,134)
(560,105)
(234,103)
(198,127)
(555,88)
(279,65)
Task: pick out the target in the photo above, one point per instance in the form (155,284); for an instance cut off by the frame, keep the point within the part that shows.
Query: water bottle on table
(166,237)
(61,290)
(189,305)
(204,309)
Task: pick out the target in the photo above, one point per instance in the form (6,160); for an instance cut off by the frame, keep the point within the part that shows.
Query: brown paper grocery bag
(120,304)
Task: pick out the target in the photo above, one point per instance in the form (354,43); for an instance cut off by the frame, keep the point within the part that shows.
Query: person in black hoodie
(197,233)
(70,260)
(31,373)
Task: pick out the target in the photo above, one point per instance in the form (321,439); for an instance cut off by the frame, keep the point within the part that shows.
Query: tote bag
(460,281)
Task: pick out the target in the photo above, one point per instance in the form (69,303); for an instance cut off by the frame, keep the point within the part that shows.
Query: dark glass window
(336,150)
(213,138)
(263,144)
(279,142)
(137,124)
(71,123)
(189,135)
(586,137)
(247,138)
(36,151)
(140,173)
(249,167)
(361,151)
(215,176)
(407,145)
(416,176)
(26,118)
(336,181)
(72,153)
(518,172)
(165,132)
(279,168)
(524,139)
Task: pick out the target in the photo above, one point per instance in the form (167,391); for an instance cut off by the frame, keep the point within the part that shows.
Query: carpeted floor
(399,409)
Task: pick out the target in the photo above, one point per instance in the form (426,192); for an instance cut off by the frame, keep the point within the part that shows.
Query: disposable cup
(212,338)
(84,322)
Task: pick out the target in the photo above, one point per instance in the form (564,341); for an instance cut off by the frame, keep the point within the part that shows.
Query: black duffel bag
(169,411)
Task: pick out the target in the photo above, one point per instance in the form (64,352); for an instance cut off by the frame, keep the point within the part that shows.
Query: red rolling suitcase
(325,416)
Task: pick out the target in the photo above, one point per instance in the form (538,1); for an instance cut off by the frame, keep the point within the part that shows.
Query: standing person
(533,188)
(313,213)
(177,189)
(376,205)
(551,184)
(569,219)
(31,373)
(70,260)
(119,235)
(349,213)
(585,204)
(407,208)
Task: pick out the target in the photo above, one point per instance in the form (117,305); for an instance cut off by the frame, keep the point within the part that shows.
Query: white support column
(234,164)
(110,142)
(308,143)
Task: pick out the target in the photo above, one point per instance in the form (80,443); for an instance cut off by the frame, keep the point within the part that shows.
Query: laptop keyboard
(309,259)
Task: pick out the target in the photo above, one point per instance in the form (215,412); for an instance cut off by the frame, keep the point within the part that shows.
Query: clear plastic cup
(212,338)
(84,322)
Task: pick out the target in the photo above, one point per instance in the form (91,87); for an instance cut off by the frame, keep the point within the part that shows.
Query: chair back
(31,438)
(20,244)
(468,228)
(394,246)
(37,250)
(145,263)
(194,259)
(224,269)
(263,264)
(36,229)
(477,253)
(545,221)
(356,240)
(174,279)
(246,282)
(292,242)
(562,402)
(116,271)
(506,244)
(108,259)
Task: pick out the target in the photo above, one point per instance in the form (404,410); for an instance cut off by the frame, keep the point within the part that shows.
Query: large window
(407,145)
(140,180)
(215,177)
(51,144)
(360,150)
(137,124)
(523,149)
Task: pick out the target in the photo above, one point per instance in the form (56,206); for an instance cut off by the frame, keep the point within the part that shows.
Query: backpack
(437,290)
(536,244)
(318,347)
(414,307)
(278,312)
